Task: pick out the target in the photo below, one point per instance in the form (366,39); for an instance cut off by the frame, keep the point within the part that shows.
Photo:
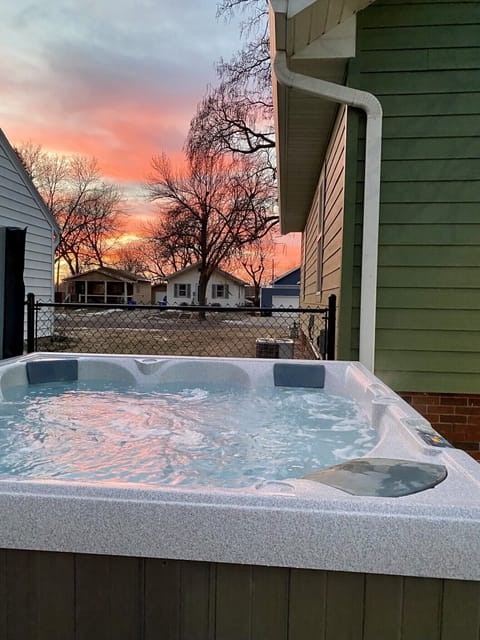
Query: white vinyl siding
(19,208)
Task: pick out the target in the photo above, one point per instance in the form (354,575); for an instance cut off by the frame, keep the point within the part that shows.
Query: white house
(223,289)
(22,206)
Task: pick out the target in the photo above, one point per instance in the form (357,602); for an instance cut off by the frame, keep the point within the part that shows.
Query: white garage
(285,301)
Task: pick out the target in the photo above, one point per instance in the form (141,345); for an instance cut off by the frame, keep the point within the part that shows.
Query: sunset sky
(117,80)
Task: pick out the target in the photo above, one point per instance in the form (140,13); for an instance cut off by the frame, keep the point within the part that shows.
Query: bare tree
(256,10)
(254,261)
(148,256)
(132,257)
(237,115)
(165,249)
(86,208)
(212,209)
(101,223)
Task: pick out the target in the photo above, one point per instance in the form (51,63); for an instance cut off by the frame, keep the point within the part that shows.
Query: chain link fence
(184,331)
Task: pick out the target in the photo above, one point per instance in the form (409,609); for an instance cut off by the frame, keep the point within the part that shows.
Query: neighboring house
(283,291)
(107,286)
(390,218)
(22,206)
(223,289)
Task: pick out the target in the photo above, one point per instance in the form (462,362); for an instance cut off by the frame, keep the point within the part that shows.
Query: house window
(182,291)
(220,291)
(320,230)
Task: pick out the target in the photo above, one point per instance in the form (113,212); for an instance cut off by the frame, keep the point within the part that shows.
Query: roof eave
(318,37)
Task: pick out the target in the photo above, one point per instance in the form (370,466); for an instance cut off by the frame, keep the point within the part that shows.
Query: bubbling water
(176,436)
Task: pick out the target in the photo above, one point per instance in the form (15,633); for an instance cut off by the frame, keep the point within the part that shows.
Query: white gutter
(371,199)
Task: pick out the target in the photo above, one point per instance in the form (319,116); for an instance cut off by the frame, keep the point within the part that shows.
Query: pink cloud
(123,137)
(118,85)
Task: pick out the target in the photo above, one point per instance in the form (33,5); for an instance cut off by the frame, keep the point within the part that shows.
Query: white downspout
(371,199)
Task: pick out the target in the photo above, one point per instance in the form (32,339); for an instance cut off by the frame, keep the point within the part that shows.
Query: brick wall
(454,416)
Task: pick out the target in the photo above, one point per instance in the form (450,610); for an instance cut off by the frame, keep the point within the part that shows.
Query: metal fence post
(332,321)
(30,322)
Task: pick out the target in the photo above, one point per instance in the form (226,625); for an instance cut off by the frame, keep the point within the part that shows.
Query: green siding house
(378,129)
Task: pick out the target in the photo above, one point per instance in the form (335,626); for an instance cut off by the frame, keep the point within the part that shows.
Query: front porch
(100,292)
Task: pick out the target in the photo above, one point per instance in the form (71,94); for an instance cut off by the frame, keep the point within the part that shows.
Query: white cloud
(66,54)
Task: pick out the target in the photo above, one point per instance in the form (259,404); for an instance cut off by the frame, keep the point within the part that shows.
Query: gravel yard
(165,332)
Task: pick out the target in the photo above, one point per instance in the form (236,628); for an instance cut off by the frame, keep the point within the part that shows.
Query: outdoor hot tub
(358,546)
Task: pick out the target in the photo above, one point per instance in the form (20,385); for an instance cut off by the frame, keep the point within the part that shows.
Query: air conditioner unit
(274,348)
